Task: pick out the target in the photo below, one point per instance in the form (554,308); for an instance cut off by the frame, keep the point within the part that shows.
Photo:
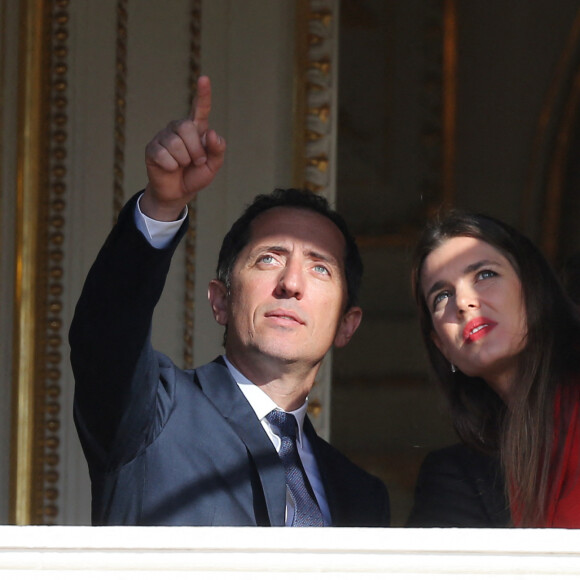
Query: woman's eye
(486,274)
(440,298)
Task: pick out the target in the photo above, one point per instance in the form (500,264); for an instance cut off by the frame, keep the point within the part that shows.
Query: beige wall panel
(247,51)
(90,206)
(157,92)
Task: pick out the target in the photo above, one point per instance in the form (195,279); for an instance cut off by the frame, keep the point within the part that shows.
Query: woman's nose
(466,299)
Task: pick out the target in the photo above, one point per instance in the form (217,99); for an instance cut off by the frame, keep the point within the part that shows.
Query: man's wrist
(157,232)
(160,211)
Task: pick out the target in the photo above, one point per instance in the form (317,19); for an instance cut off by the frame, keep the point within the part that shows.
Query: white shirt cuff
(158,234)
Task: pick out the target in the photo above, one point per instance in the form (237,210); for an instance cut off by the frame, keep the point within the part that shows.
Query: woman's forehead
(455,254)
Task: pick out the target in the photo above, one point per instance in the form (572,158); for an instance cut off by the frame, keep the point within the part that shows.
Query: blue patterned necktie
(306,510)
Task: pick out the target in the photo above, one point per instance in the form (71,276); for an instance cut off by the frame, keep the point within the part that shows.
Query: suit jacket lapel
(219,387)
(332,495)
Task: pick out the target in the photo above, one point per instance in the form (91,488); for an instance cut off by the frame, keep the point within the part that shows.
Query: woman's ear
(217,294)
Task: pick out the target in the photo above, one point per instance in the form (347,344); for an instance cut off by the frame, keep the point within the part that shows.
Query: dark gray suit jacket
(172,447)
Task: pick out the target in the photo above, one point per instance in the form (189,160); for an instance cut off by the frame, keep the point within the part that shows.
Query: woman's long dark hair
(522,435)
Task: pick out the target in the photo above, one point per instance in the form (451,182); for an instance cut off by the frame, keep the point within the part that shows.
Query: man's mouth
(285,315)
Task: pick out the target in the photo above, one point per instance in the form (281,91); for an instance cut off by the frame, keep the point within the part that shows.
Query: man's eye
(321,269)
(266,260)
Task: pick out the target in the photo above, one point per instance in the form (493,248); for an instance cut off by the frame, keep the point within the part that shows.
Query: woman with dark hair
(503,339)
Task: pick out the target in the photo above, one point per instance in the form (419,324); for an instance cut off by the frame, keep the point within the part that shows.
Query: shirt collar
(261,402)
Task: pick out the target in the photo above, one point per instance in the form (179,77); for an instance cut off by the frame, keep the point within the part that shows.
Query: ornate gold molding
(191,236)
(542,197)
(41,189)
(120,108)
(439,94)
(315,121)
(314,96)
(315,101)
(449,99)
(49,419)
(32,176)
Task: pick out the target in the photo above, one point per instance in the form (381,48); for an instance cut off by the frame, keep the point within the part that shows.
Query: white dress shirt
(262,405)
(159,235)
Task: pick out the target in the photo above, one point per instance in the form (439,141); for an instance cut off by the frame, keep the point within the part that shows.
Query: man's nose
(291,280)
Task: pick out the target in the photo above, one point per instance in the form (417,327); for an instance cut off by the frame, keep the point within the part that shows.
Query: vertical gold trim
(314,122)
(449,98)
(314,125)
(544,189)
(49,388)
(438,115)
(552,214)
(120,108)
(299,97)
(31,179)
(542,144)
(191,236)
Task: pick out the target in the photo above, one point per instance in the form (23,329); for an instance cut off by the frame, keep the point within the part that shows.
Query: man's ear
(348,325)
(217,295)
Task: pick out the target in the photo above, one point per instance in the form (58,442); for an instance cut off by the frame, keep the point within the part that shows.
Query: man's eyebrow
(281,249)
(320,256)
(269,248)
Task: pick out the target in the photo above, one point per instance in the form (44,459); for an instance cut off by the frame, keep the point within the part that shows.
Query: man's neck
(286,383)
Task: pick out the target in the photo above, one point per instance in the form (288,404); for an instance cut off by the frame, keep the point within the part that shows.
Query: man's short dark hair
(239,235)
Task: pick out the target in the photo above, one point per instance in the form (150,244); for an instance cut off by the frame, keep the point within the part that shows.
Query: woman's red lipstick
(478,328)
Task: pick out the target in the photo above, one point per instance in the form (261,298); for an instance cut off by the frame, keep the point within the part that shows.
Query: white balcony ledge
(84,552)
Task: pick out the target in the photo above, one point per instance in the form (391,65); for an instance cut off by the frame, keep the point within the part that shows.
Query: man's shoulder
(213,370)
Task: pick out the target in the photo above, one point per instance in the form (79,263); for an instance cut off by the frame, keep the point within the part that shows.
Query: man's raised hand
(182,159)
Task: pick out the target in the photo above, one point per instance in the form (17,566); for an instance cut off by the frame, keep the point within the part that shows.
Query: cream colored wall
(247,49)
(252,109)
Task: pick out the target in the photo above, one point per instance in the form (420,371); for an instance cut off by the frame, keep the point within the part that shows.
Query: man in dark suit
(199,447)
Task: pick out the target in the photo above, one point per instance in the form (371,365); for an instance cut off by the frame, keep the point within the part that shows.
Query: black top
(459,487)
